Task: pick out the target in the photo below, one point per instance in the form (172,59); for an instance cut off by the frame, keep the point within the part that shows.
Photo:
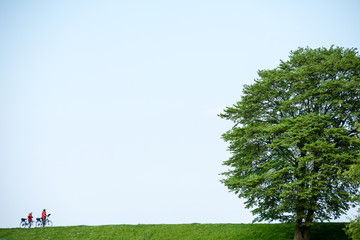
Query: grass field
(320,231)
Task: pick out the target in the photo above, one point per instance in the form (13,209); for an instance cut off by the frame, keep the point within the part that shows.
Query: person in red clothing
(30,219)
(43,217)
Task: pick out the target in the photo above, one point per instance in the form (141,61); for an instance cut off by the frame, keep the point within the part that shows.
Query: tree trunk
(302,233)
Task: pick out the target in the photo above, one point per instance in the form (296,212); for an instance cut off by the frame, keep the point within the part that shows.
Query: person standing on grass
(30,219)
(43,217)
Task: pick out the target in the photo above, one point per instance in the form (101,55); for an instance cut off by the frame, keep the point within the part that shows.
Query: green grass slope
(320,231)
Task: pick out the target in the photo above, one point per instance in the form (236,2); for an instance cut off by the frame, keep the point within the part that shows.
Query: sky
(109,108)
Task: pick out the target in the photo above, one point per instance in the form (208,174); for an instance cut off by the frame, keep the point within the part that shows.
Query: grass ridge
(194,231)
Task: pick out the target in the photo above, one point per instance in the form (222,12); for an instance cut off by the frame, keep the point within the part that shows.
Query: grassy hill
(320,231)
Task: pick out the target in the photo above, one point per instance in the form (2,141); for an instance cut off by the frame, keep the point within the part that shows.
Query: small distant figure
(30,216)
(43,217)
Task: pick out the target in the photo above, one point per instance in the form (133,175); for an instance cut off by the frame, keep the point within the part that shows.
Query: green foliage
(292,142)
(328,231)
(353,229)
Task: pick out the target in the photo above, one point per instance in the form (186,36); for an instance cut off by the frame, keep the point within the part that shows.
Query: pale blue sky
(109,108)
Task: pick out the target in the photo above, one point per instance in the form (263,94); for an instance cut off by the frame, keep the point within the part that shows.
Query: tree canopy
(292,142)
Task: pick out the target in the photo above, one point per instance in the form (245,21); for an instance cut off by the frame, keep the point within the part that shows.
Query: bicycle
(24,223)
(48,222)
(38,222)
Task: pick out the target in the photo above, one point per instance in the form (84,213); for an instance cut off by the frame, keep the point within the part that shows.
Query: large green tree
(293,138)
